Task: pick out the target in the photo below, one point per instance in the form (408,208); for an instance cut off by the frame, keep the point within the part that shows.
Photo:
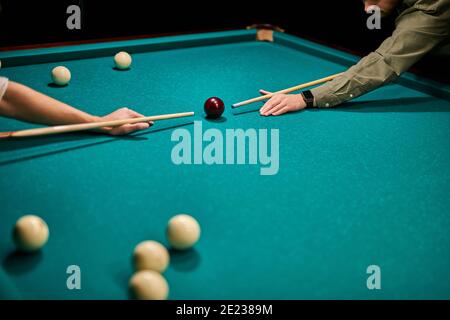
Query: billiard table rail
(102,49)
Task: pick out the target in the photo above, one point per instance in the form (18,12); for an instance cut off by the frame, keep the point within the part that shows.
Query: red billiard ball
(214,107)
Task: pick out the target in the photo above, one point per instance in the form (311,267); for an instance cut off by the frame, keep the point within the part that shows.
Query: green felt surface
(364,184)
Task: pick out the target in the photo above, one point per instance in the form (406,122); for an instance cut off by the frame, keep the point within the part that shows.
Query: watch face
(308,97)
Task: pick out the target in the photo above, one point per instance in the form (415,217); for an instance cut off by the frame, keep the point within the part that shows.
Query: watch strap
(309,98)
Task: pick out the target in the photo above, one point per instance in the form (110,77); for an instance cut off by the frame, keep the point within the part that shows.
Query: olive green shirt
(420,27)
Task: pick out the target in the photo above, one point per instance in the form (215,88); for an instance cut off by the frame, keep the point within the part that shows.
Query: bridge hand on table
(281,103)
(124,113)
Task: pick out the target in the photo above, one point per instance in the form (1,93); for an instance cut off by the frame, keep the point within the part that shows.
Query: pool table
(366,183)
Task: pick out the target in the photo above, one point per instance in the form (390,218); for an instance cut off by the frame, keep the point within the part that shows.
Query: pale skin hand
(23,103)
(282,103)
(124,113)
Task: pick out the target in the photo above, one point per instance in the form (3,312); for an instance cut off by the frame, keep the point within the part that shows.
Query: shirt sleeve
(3,86)
(419,29)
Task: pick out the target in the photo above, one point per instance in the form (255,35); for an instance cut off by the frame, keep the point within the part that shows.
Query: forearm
(369,74)
(23,103)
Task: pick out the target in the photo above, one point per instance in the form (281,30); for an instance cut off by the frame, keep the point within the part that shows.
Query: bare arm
(23,103)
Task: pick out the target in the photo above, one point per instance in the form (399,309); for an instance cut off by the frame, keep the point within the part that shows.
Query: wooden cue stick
(88,126)
(300,86)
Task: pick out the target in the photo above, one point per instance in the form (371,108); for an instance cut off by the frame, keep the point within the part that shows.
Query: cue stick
(300,86)
(88,126)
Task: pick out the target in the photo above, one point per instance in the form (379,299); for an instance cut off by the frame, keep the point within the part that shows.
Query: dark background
(340,23)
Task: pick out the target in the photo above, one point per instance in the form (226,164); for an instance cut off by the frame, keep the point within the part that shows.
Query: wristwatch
(309,98)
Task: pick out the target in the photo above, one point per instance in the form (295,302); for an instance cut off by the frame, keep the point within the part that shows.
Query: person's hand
(282,103)
(123,113)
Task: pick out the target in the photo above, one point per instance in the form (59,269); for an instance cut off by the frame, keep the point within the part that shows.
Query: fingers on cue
(129,128)
(134,114)
(136,126)
(264,92)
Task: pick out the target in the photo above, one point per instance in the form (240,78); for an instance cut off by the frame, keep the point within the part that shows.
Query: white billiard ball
(151,255)
(122,60)
(61,76)
(183,231)
(149,285)
(30,233)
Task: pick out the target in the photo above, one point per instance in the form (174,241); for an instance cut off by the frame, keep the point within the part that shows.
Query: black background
(373,309)
(340,24)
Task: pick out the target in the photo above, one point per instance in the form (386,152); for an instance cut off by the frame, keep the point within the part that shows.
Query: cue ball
(183,231)
(122,60)
(151,255)
(61,76)
(214,107)
(149,285)
(30,233)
